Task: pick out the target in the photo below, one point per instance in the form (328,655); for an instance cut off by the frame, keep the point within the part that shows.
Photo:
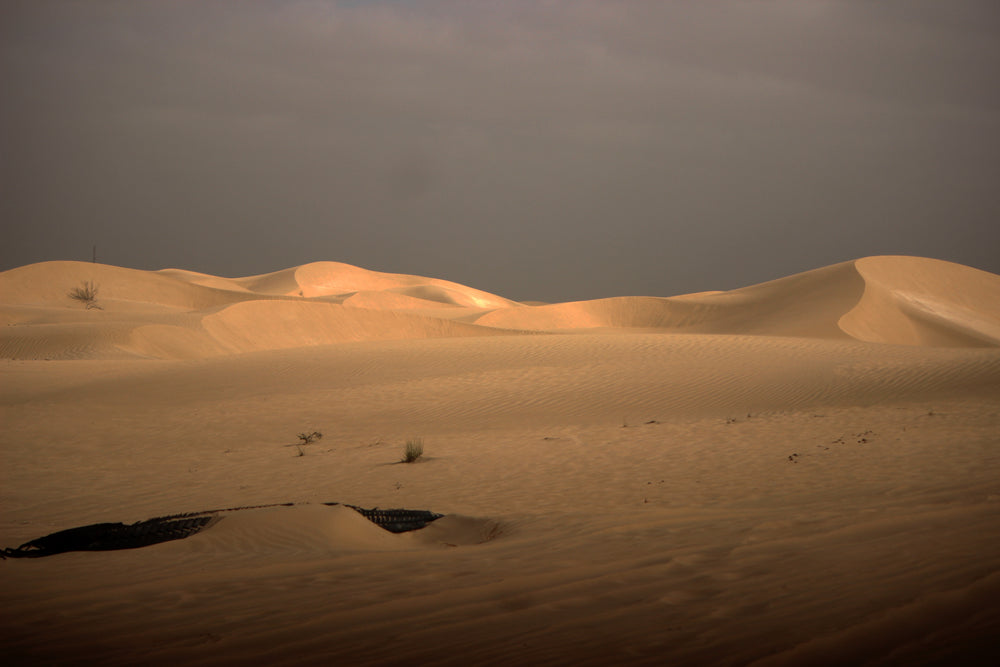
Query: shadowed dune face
(186,315)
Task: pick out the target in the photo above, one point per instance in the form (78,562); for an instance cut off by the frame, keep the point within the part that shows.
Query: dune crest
(336,278)
(918,301)
(47,284)
(177,314)
(898,300)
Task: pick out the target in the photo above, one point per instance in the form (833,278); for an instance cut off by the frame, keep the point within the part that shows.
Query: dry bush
(86,293)
(307,439)
(414,450)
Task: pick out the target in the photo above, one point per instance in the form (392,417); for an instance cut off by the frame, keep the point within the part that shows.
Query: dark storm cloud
(549,150)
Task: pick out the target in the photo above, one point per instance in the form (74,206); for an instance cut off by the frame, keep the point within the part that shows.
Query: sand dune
(918,301)
(47,284)
(331,278)
(278,283)
(387,300)
(794,473)
(207,280)
(901,300)
(807,304)
(186,315)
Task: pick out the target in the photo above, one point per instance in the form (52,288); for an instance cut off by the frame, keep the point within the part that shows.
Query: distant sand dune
(916,301)
(902,300)
(278,283)
(334,278)
(805,305)
(206,280)
(183,314)
(47,284)
(387,300)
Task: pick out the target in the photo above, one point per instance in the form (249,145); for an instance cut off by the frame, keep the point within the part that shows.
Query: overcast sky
(550,150)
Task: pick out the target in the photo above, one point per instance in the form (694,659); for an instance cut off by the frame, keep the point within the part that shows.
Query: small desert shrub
(414,450)
(86,293)
(307,439)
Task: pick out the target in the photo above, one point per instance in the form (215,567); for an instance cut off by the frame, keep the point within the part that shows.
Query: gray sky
(550,150)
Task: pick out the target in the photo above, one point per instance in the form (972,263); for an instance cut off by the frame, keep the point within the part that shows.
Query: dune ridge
(182,314)
(898,300)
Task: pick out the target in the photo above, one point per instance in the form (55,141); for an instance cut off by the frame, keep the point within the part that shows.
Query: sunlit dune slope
(278,283)
(387,300)
(206,280)
(901,300)
(917,301)
(335,278)
(806,304)
(47,284)
(183,314)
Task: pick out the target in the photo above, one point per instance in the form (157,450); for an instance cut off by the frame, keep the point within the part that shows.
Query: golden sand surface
(801,472)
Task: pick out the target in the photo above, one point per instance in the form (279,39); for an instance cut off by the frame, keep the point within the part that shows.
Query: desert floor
(798,473)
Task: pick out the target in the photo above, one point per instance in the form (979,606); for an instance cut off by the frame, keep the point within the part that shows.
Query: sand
(801,472)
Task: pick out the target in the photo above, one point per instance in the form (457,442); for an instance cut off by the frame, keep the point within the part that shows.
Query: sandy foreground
(802,472)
